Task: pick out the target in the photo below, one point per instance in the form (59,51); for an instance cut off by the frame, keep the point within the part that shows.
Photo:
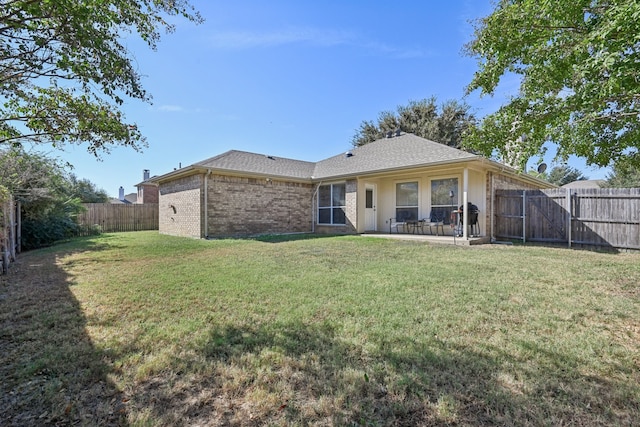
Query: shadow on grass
(51,372)
(282,238)
(300,374)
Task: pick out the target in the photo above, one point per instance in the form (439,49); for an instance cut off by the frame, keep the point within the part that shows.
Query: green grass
(144,329)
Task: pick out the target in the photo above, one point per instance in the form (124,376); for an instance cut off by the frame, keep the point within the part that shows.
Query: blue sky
(290,79)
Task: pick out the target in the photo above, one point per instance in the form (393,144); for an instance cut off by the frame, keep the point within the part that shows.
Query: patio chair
(398,225)
(433,221)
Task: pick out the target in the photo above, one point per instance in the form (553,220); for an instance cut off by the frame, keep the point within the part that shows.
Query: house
(123,199)
(147,190)
(240,194)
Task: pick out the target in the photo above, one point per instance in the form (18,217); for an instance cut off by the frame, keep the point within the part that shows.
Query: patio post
(465,211)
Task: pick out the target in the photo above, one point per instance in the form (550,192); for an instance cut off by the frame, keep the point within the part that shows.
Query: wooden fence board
(605,217)
(9,232)
(118,217)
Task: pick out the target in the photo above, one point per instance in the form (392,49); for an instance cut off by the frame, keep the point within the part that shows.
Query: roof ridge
(219,156)
(227,153)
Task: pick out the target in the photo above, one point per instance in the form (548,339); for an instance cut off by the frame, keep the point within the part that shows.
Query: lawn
(141,329)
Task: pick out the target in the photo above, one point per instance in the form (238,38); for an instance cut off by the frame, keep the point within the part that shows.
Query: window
(441,201)
(407,201)
(331,204)
(368,199)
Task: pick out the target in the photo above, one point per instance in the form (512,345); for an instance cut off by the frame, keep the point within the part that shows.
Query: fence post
(569,217)
(19,226)
(6,239)
(13,232)
(524,216)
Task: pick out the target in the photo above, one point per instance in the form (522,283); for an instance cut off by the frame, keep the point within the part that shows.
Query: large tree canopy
(579,65)
(64,70)
(445,124)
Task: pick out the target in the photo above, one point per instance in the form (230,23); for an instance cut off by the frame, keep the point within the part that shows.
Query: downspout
(206,204)
(313,209)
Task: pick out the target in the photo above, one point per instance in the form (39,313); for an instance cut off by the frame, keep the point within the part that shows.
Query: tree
(64,71)
(577,61)
(32,177)
(561,175)
(85,190)
(423,118)
(50,197)
(624,175)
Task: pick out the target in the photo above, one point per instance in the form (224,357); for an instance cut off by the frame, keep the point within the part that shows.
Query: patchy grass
(142,329)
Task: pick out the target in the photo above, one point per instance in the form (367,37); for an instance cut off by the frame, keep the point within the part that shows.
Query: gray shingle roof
(388,154)
(244,162)
(406,150)
(586,183)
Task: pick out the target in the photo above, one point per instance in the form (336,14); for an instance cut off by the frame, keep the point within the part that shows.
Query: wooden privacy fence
(9,231)
(116,217)
(602,217)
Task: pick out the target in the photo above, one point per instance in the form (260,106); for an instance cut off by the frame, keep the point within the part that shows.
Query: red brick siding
(180,207)
(147,194)
(240,206)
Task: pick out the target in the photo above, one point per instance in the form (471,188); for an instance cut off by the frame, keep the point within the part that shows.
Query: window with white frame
(407,201)
(441,201)
(331,204)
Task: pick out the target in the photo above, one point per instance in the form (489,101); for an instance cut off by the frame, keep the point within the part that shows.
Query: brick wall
(147,194)
(240,206)
(180,207)
(351,206)
(504,182)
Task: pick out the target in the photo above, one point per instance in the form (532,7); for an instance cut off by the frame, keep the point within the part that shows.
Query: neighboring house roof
(586,183)
(398,152)
(146,182)
(128,199)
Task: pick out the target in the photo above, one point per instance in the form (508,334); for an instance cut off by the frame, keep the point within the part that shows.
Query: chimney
(145,174)
(121,194)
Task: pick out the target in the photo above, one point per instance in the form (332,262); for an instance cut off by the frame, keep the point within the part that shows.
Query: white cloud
(170,108)
(247,39)
(397,52)
(311,36)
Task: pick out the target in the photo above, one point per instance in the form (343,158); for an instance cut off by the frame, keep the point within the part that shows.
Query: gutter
(185,171)
(192,170)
